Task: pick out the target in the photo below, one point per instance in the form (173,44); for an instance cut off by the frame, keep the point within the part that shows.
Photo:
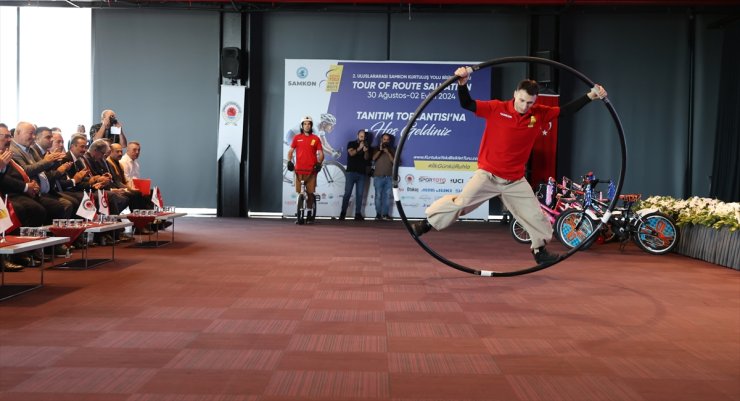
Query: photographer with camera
(383,158)
(358,157)
(109,128)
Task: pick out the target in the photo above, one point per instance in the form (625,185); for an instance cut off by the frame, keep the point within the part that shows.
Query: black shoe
(341,216)
(378,217)
(542,257)
(389,218)
(9,266)
(25,260)
(421,227)
(359,217)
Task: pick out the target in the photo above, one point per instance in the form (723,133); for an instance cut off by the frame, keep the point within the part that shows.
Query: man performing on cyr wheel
(512,127)
(308,159)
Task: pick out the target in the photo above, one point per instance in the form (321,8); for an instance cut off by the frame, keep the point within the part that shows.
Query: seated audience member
(95,161)
(77,149)
(57,170)
(130,162)
(57,207)
(57,142)
(108,128)
(120,183)
(4,130)
(21,193)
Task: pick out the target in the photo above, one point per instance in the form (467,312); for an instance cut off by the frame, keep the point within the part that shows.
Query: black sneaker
(359,217)
(341,216)
(542,257)
(421,227)
(378,217)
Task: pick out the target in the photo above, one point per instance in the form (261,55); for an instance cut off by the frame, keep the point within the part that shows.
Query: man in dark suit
(22,193)
(56,206)
(94,159)
(75,155)
(56,173)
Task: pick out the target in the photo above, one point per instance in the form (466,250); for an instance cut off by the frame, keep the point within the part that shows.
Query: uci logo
(302,72)
(457,180)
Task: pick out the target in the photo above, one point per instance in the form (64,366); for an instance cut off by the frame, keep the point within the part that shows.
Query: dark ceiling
(385,5)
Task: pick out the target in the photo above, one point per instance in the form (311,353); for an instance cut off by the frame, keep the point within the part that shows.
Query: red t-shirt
(306,148)
(510,136)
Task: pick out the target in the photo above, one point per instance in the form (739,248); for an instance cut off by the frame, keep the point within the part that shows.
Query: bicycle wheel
(656,233)
(300,216)
(518,232)
(311,215)
(573,227)
(331,177)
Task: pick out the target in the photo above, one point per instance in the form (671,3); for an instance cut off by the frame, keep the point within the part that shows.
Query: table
(85,262)
(11,290)
(156,219)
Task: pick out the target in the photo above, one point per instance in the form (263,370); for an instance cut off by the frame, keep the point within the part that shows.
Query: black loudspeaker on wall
(231,62)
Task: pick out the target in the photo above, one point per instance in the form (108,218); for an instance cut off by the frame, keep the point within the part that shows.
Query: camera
(113,120)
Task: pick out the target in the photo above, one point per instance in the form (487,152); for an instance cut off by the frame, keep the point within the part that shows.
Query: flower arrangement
(698,211)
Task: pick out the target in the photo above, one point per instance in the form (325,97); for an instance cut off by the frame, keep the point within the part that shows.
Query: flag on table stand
(8,219)
(87,207)
(157,198)
(103,203)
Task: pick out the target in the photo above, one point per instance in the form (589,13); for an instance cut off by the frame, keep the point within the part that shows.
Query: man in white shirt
(130,162)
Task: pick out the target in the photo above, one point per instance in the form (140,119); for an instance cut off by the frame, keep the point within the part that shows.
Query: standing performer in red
(308,159)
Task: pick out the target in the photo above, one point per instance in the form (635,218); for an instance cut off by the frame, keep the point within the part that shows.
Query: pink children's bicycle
(552,204)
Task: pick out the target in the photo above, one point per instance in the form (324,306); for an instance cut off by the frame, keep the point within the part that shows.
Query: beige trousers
(517,196)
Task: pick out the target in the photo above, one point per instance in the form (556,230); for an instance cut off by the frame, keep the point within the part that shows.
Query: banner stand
(229,150)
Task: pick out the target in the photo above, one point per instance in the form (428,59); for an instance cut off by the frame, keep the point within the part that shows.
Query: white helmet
(307,119)
(329,119)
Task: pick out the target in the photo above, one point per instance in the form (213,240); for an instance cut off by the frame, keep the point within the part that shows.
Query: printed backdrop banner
(343,97)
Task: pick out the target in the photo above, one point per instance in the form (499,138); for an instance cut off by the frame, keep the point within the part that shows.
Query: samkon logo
(435,180)
(302,74)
